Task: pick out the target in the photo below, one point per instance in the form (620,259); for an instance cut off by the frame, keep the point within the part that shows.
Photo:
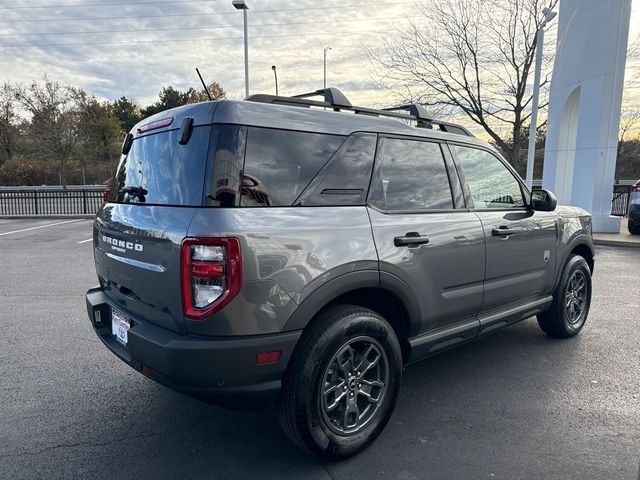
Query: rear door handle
(411,238)
(503,231)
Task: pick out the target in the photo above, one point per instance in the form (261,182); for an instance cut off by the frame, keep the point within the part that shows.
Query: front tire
(342,383)
(571,301)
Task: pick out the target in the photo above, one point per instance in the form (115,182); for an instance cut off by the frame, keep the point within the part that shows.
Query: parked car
(286,249)
(634,209)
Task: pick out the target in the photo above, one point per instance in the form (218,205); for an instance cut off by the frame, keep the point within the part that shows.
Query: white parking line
(41,226)
(85,241)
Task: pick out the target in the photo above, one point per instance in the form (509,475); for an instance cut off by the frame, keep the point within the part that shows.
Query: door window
(411,176)
(491,184)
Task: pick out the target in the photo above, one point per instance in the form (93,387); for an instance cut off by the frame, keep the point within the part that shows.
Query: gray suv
(301,251)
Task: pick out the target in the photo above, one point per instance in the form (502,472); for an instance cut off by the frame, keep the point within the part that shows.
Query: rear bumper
(220,370)
(634,212)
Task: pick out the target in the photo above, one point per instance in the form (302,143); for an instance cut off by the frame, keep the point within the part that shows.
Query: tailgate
(137,256)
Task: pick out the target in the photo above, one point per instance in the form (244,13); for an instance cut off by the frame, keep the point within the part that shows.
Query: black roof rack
(335,99)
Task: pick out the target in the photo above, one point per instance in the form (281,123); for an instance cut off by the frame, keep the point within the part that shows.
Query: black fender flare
(351,281)
(579,240)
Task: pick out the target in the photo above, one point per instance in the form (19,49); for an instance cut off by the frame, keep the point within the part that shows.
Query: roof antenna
(204,84)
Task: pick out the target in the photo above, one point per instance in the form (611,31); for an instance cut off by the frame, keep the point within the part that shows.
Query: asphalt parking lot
(515,405)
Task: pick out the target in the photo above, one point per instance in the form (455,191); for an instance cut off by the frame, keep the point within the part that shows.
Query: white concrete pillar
(584,106)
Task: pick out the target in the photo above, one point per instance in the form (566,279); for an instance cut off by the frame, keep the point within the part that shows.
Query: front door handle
(503,231)
(411,238)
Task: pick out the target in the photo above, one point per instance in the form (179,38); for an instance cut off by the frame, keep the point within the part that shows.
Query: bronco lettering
(121,245)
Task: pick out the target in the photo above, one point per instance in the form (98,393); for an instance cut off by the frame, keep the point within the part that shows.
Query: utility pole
(326,49)
(242,5)
(533,126)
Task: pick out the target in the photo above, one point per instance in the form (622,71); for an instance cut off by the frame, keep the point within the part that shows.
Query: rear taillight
(635,188)
(211,274)
(107,189)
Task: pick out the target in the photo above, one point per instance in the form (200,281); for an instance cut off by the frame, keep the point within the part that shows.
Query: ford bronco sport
(302,251)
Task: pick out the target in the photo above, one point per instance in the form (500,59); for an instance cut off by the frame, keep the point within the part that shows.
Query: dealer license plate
(120,327)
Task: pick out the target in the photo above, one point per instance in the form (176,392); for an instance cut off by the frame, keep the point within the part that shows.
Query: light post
(275,76)
(326,49)
(548,16)
(242,5)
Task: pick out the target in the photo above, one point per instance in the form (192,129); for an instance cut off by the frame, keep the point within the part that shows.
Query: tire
(634,227)
(341,340)
(571,301)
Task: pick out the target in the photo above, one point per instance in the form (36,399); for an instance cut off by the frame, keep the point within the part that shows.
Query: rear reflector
(264,358)
(147,372)
(207,270)
(165,122)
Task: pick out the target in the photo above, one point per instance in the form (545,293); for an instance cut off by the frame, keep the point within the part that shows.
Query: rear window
(160,171)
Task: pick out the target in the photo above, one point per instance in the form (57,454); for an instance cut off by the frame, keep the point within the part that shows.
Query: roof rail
(331,95)
(335,99)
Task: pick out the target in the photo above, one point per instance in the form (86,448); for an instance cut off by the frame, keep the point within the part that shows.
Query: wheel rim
(354,385)
(575,298)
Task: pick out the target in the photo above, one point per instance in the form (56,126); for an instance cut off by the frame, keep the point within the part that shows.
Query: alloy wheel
(354,385)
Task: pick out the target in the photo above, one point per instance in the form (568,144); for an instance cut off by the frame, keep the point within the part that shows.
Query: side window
(411,176)
(491,184)
(279,164)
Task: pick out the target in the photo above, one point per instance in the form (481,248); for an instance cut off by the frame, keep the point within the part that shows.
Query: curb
(45,217)
(616,243)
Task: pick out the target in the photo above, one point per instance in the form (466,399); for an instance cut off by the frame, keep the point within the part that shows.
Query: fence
(619,200)
(87,200)
(50,201)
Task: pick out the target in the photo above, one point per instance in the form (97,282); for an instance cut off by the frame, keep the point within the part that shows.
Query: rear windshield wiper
(135,191)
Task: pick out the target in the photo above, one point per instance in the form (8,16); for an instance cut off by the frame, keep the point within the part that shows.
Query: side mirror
(543,201)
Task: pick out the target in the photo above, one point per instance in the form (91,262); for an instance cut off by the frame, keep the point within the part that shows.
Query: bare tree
(629,121)
(474,57)
(628,165)
(54,122)
(9,131)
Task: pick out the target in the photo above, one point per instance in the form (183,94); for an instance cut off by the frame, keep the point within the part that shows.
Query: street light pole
(242,5)
(548,16)
(275,76)
(326,49)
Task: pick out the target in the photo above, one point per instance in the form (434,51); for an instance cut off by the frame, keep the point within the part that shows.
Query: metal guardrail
(50,201)
(50,187)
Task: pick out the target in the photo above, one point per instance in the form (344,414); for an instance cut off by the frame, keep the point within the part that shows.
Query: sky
(112,48)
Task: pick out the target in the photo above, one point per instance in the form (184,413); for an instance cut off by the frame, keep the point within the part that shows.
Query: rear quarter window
(279,164)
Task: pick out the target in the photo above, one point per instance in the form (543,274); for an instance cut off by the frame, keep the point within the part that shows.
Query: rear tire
(571,301)
(634,227)
(342,383)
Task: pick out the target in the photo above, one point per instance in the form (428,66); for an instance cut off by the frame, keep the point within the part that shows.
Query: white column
(584,106)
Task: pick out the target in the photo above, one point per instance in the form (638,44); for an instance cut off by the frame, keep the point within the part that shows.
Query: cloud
(150,45)
(95,48)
